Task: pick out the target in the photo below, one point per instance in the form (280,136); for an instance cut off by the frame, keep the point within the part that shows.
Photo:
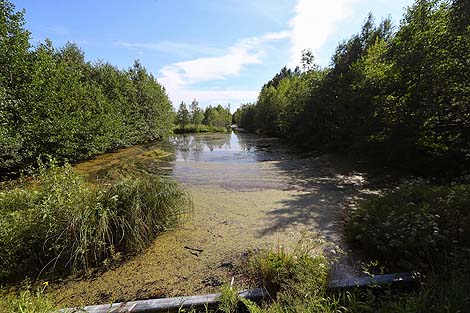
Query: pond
(249,192)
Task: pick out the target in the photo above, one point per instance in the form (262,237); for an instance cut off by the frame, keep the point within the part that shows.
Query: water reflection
(213,148)
(228,160)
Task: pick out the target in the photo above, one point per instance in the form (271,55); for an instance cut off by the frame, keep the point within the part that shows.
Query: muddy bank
(249,193)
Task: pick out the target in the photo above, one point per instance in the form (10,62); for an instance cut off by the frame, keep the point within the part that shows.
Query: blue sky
(212,50)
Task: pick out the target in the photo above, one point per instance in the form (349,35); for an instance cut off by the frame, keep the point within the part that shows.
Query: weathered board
(212,300)
(167,304)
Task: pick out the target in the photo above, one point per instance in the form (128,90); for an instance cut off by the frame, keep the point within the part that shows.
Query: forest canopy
(54,104)
(398,93)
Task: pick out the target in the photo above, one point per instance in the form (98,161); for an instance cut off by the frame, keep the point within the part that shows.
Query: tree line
(399,93)
(213,118)
(54,104)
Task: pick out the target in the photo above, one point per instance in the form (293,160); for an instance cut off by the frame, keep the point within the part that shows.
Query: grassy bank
(418,227)
(297,282)
(200,128)
(58,223)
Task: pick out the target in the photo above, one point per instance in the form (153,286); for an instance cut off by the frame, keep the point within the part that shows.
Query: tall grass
(300,280)
(27,299)
(61,223)
(296,279)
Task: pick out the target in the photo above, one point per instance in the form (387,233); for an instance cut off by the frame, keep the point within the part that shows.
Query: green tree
(53,102)
(183,116)
(196,113)
(14,45)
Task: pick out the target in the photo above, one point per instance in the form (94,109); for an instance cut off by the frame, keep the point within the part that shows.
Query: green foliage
(400,96)
(54,103)
(414,225)
(197,114)
(200,128)
(27,300)
(195,120)
(182,116)
(217,116)
(301,280)
(228,299)
(62,223)
(296,279)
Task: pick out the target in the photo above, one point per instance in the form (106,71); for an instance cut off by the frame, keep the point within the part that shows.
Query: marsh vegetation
(392,97)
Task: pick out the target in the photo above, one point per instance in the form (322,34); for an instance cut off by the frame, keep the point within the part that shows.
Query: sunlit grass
(60,223)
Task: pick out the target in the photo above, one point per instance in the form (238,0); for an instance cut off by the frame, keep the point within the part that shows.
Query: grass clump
(27,299)
(229,299)
(279,269)
(296,280)
(60,222)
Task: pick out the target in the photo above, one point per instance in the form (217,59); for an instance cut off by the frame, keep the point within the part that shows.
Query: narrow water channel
(249,192)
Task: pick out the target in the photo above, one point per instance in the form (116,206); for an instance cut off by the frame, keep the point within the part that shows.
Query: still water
(249,193)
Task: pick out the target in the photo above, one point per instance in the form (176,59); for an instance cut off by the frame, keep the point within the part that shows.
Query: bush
(60,222)
(301,281)
(413,225)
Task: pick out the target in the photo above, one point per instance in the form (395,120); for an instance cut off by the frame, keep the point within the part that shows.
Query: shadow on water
(249,192)
(327,185)
(323,185)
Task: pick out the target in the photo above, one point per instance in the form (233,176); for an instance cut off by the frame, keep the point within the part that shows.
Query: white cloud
(212,97)
(178,48)
(179,77)
(313,24)
(315,21)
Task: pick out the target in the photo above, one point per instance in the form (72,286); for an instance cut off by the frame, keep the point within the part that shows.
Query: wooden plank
(167,304)
(212,300)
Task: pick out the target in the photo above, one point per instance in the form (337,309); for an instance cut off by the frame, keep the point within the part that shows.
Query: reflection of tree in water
(191,147)
(218,141)
(182,144)
(263,147)
(245,144)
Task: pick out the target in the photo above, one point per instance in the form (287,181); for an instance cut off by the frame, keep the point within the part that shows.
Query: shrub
(413,225)
(302,280)
(61,222)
